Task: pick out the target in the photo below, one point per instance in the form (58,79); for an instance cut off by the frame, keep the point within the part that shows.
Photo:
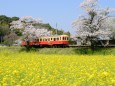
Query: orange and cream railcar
(55,41)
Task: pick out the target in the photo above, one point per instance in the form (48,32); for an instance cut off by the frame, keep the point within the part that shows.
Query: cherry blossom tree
(26,26)
(93,25)
(111,22)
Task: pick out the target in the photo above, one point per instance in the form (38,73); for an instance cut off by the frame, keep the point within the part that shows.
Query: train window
(37,39)
(48,39)
(63,38)
(57,38)
(67,38)
(54,39)
(60,38)
(51,38)
(40,39)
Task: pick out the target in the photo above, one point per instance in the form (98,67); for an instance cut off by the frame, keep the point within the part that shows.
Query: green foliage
(67,33)
(9,39)
(4,29)
(5,20)
(5,32)
(14,18)
(18,31)
(64,51)
(72,42)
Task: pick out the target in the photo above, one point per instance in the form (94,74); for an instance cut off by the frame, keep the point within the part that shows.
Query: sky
(60,12)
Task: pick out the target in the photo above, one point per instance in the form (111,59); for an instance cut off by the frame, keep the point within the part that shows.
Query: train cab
(61,40)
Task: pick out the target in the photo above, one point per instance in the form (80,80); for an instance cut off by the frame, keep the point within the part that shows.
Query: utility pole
(56,28)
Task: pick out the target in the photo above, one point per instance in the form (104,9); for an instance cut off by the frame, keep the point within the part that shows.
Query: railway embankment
(65,51)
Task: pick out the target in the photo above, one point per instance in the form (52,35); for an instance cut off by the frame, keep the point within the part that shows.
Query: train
(48,41)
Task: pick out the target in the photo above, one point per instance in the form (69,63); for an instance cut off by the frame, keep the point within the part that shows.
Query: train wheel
(54,46)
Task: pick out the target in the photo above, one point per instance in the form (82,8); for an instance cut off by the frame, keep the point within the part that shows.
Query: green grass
(65,51)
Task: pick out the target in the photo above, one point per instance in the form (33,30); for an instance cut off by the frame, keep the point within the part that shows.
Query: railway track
(76,46)
(87,46)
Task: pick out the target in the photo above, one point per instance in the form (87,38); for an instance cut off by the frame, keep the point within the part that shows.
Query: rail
(87,46)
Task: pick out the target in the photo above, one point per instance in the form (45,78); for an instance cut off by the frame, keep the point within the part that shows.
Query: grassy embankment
(69,51)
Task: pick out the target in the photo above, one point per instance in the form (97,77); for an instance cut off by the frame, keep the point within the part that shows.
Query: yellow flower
(15,72)
(105,74)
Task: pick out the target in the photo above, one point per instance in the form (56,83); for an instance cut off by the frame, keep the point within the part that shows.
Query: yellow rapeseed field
(33,69)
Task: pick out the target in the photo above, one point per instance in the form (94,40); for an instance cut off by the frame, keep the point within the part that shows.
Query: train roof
(52,36)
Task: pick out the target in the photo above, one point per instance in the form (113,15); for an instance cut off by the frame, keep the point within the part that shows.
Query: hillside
(8,37)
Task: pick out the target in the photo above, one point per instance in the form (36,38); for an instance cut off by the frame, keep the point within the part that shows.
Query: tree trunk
(92,45)
(104,44)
